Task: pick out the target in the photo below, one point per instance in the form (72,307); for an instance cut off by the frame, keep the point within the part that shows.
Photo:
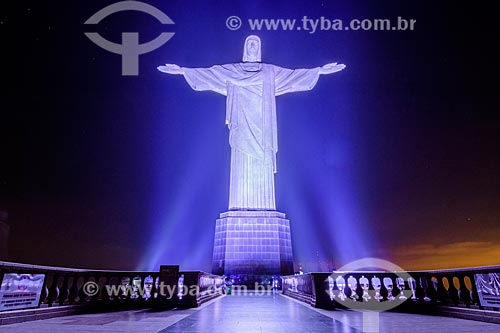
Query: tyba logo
(129,49)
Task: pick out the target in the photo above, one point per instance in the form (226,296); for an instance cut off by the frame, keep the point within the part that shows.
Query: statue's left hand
(171,69)
(331,68)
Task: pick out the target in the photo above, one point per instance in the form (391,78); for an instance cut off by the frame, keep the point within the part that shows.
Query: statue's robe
(251,90)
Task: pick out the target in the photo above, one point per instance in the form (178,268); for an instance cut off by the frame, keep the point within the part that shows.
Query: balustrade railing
(474,288)
(108,289)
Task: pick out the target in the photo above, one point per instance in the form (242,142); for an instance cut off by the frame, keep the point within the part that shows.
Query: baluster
(64,290)
(114,287)
(424,285)
(104,295)
(53,290)
(73,290)
(83,298)
(454,295)
(45,291)
(95,297)
(466,291)
(445,290)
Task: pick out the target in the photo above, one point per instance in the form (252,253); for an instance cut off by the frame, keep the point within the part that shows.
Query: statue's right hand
(171,69)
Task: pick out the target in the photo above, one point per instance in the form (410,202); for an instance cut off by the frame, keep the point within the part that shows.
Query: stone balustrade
(420,291)
(414,291)
(109,290)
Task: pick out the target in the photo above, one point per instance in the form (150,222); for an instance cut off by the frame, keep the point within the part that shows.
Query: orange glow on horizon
(453,255)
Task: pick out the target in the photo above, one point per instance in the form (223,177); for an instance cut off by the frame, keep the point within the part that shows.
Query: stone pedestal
(252,244)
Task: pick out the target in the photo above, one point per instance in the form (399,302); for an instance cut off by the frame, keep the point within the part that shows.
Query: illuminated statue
(251,88)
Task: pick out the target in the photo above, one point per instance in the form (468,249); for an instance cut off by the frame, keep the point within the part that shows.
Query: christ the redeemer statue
(251,88)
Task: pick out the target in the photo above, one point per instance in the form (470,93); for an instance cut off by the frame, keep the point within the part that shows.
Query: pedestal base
(252,243)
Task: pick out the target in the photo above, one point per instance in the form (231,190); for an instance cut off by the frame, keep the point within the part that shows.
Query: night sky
(395,157)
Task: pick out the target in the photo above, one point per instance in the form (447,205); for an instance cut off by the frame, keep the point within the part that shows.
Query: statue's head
(252,50)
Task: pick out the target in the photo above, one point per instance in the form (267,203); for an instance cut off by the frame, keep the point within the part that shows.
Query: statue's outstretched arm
(171,69)
(331,68)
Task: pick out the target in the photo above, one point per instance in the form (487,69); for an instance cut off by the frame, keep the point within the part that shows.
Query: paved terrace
(271,313)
